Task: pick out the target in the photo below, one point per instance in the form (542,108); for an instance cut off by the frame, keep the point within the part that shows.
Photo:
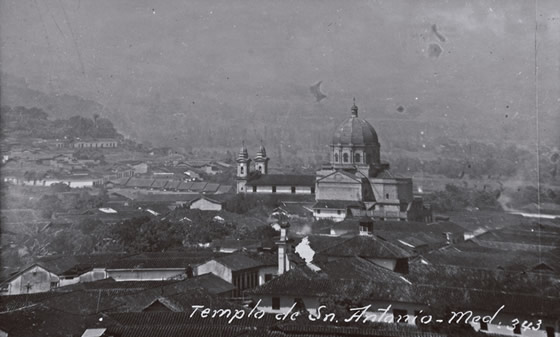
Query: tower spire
(354,108)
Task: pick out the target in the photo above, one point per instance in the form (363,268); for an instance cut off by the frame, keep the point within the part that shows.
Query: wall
(339,191)
(37,277)
(144,274)
(206,205)
(267,270)
(215,268)
(330,214)
(280,189)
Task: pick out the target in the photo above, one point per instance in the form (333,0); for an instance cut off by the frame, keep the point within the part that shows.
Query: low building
(243,271)
(204,203)
(52,272)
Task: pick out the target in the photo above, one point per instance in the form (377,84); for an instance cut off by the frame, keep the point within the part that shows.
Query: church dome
(355,132)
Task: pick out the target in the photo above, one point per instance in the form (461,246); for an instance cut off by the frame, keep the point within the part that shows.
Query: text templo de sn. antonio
(363,315)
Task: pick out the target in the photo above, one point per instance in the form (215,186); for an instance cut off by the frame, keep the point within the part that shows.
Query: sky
(470,60)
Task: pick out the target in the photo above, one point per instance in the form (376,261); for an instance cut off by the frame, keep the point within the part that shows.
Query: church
(355,183)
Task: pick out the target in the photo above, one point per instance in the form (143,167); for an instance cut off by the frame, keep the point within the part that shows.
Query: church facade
(354,183)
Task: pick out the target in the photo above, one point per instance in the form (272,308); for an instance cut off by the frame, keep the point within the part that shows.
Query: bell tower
(243,167)
(261,161)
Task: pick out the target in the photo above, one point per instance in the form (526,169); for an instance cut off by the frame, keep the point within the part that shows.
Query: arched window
(345,157)
(356,158)
(336,157)
(242,170)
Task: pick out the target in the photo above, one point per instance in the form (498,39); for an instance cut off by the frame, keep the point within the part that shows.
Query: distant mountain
(15,93)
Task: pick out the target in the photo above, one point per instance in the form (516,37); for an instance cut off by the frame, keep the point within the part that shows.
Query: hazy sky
(128,54)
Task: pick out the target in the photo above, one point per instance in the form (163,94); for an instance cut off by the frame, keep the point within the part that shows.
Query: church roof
(338,204)
(355,131)
(282,180)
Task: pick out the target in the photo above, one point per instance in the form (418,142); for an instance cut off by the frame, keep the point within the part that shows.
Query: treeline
(455,198)
(33,122)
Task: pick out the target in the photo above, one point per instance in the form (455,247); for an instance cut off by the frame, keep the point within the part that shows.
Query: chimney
(366,225)
(283,261)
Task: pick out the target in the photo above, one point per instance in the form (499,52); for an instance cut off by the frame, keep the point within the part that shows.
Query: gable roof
(365,247)
(239,261)
(347,176)
(282,180)
(338,204)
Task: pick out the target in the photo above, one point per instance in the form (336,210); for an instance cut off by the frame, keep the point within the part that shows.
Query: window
(275,303)
(313,190)
(336,157)
(5,288)
(255,189)
(483,326)
(293,189)
(54,284)
(387,196)
(357,158)
(318,211)
(242,170)
(345,157)
(339,212)
(273,189)
(400,316)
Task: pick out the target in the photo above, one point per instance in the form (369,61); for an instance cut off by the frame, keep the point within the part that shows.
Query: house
(159,266)
(205,203)
(52,272)
(231,245)
(95,143)
(242,270)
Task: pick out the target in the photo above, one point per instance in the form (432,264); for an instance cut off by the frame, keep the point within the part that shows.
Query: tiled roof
(358,268)
(302,282)
(239,261)
(471,277)
(159,183)
(179,331)
(493,260)
(283,180)
(60,264)
(178,298)
(211,188)
(15,302)
(185,186)
(139,262)
(166,197)
(138,182)
(43,321)
(338,204)
(82,302)
(198,186)
(365,247)
(224,189)
(321,242)
(171,184)
(235,244)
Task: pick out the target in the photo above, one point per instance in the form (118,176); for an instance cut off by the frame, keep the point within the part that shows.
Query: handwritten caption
(365,314)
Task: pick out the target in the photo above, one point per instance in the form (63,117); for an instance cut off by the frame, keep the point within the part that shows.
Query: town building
(260,181)
(355,182)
